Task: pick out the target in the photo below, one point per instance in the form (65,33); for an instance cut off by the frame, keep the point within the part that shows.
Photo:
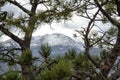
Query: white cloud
(54,28)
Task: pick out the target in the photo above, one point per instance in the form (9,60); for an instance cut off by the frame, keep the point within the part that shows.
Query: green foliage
(110,8)
(58,72)
(45,50)
(12,75)
(112,31)
(82,62)
(96,58)
(71,54)
(18,23)
(58,10)
(104,54)
(26,57)
(61,69)
(2,78)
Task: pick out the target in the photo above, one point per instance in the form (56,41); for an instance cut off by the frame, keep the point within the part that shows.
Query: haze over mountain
(59,43)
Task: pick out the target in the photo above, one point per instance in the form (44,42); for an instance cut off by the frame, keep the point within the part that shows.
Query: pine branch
(34,6)
(87,41)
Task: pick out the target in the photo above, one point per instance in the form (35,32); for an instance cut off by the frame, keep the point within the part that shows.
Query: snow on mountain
(56,39)
(60,43)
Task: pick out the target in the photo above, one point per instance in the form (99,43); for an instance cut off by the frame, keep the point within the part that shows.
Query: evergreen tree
(73,66)
(27,23)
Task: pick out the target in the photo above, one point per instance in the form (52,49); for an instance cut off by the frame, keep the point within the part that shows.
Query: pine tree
(83,66)
(29,22)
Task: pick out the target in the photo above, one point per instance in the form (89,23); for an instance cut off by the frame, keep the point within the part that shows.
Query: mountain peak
(57,39)
(60,43)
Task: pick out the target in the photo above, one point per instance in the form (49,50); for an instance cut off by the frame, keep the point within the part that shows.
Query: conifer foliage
(19,59)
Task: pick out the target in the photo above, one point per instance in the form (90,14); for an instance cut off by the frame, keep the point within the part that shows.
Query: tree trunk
(26,65)
(27,72)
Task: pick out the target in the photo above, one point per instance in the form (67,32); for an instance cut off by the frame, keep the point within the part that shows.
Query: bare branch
(34,6)
(11,35)
(13,49)
(79,73)
(43,1)
(20,6)
(112,20)
(87,42)
(98,40)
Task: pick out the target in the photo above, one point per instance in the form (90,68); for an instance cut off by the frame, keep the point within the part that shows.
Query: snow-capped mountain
(60,43)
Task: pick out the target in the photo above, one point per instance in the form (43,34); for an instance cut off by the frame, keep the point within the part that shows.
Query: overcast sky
(65,27)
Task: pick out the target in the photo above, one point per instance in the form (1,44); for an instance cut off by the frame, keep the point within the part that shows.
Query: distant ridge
(59,43)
